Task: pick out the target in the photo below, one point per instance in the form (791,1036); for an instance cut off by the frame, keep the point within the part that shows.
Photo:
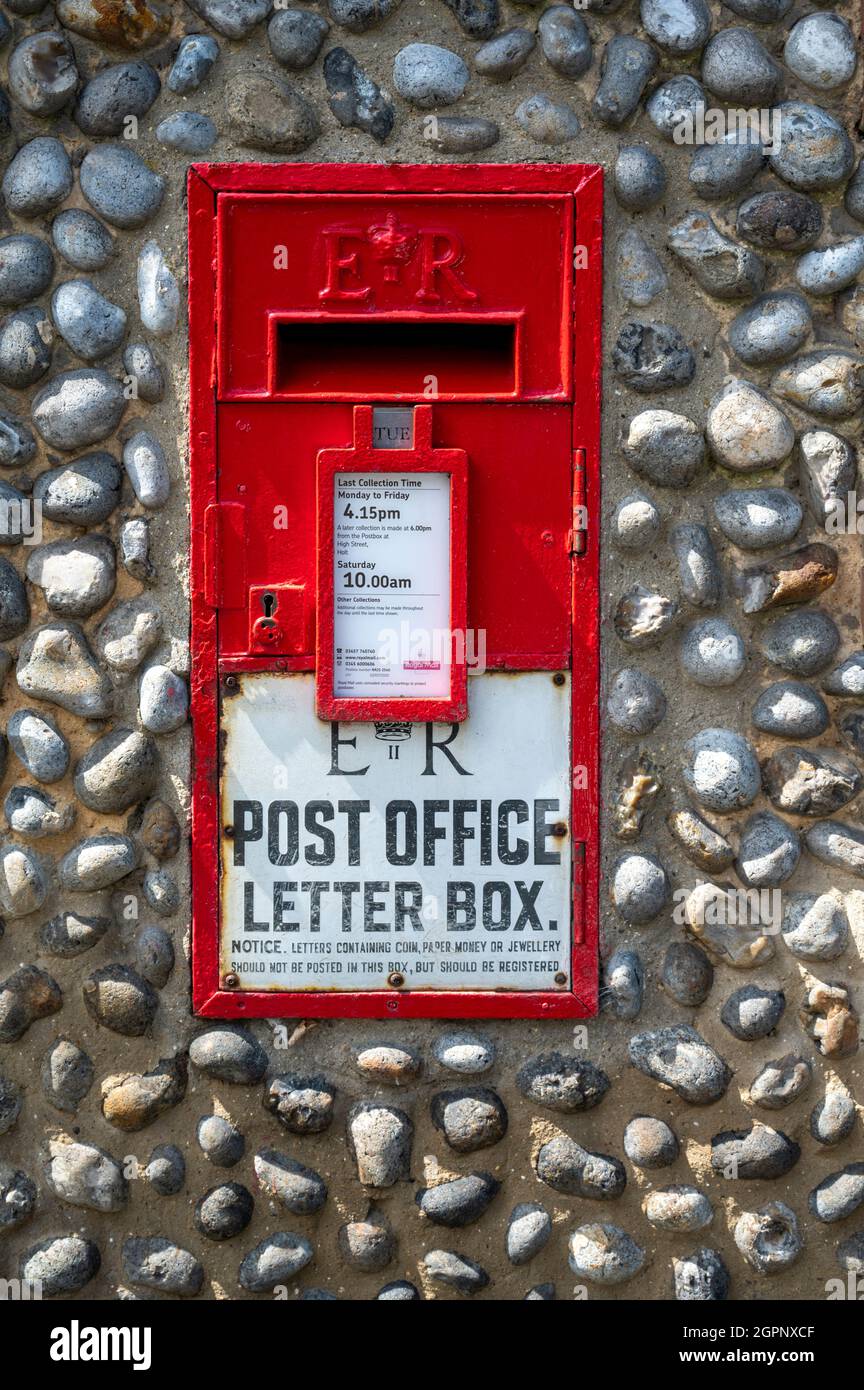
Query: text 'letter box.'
(395,476)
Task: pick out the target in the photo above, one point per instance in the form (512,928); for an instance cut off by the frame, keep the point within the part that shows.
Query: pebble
(828,472)
(91,325)
(192,65)
(565,41)
(640,888)
(11,1102)
(129,632)
(42,73)
(359,15)
(770,329)
(636,703)
(851,726)
(38,744)
(841,846)
(460,134)
(738,69)
(454,1271)
(116,93)
(142,366)
(815,926)
(477,18)
(117,771)
(712,653)
(850,1253)
(781,1082)
(566,1085)
(829,384)
(119,186)
(680,1058)
(367,1245)
(154,1262)
(625,69)
(17,1197)
(828,1017)
(847,679)
(400,1291)
(81,239)
(547,121)
(623,986)
(650,1143)
(153,955)
(295,37)
(187,131)
(220,1141)
(163,700)
(428,76)
(838,1195)
(303,1105)
(638,178)
(229,1053)
(26,268)
(60,1265)
(754,518)
(724,169)
(67,1075)
(807,782)
(14,603)
(528,1231)
(355,99)
(232,19)
(147,469)
(97,862)
(34,814)
(675,106)
(666,448)
(815,152)
(71,934)
(790,709)
(83,493)
(17,446)
(759,11)
(833,1118)
(678,1208)
(77,577)
(565,1166)
(853,199)
(760,1152)
(722,772)
(636,522)
(300,1190)
(831,268)
(133,1101)
(394,1066)
(643,616)
(821,50)
(746,431)
(37,178)
(779,220)
(224,1212)
(719,265)
(769,1238)
(687,973)
(801,643)
(604,1253)
(679,27)
(464,1052)
(158,291)
(469,1119)
(458,1202)
(78,408)
(26,337)
(161,891)
(651,357)
(85,1176)
(768,851)
(505,54)
(26,995)
(118,996)
(639,274)
(115,22)
(751,1013)
(379,1141)
(700,841)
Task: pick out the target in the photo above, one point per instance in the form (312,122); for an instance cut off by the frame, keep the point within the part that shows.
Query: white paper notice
(391,585)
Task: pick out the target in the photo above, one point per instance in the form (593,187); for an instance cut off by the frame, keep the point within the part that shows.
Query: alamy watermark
(712,125)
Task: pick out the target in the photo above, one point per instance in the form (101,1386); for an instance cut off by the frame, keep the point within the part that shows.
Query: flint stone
(746,431)
(458,1202)
(625,69)
(158,292)
(546,121)
(724,169)
(679,1058)
(34,814)
(781,1082)
(713,653)
(117,771)
(97,862)
(224,1212)
(833,1118)
(604,1254)
(790,709)
(295,37)
(678,1208)
(379,1141)
(303,1105)
(229,1054)
(687,973)
(565,1166)
(702,844)
(815,152)
(759,1152)
(801,643)
(829,384)
(650,1143)
(639,178)
(26,268)
(428,75)
(82,493)
(755,518)
(85,1176)
(299,1189)
(67,1075)
(77,577)
(454,1271)
(623,985)
(119,998)
(42,73)
(119,186)
(720,266)
(650,357)
(770,329)
(115,93)
(675,106)
(769,1239)
(60,1265)
(39,745)
(779,220)
(566,1085)
(722,772)
(469,1119)
(751,1013)
(71,934)
(81,239)
(195,58)
(153,1262)
(636,522)
(838,1195)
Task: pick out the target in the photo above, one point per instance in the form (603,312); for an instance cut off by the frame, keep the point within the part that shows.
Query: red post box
(394,465)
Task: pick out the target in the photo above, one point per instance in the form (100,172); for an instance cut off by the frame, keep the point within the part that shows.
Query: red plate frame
(366,459)
(210,998)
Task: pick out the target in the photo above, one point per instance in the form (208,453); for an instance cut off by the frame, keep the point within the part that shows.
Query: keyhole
(268,603)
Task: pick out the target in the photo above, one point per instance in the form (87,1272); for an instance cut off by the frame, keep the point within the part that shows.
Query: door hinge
(579,533)
(225,555)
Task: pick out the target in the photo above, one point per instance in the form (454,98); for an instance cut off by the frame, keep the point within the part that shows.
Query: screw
(230,682)
(559,829)
(231,981)
(560,978)
(396,979)
(228,832)
(392,1005)
(559,678)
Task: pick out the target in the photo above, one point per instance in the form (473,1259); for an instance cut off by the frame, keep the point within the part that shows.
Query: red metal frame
(421,459)
(585,184)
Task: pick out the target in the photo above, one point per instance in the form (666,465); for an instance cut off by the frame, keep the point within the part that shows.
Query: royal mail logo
(360,261)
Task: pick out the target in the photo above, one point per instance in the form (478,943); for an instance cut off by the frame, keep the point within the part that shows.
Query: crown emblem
(393,245)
